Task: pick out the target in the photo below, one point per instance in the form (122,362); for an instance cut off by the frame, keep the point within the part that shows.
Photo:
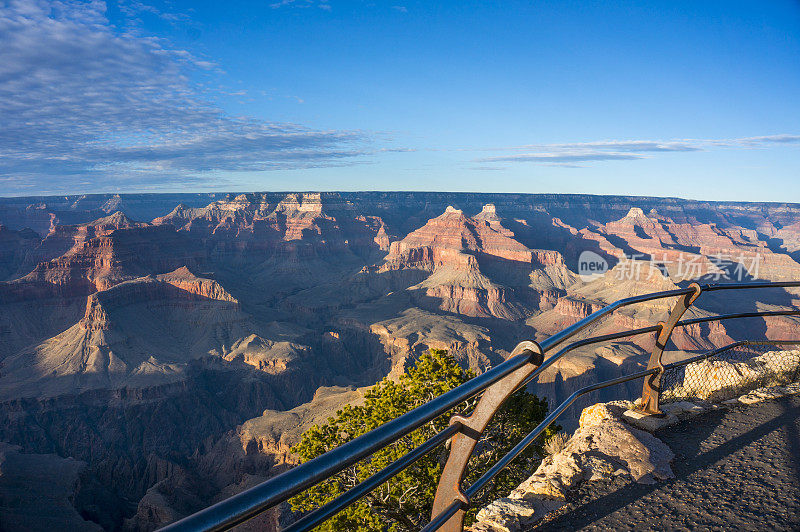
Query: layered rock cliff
(143,348)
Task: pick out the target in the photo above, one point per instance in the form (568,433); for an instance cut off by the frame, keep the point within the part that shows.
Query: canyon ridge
(161,352)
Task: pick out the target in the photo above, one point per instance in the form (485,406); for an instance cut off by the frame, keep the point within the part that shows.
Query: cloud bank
(86,104)
(573,154)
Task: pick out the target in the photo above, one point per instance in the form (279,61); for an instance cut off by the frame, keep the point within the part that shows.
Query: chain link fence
(728,373)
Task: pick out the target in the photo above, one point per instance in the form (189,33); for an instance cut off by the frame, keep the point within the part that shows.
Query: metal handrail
(253,501)
(554,340)
(330,509)
(652,328)
(501,464)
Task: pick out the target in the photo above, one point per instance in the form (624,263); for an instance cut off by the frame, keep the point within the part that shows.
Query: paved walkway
(736,469)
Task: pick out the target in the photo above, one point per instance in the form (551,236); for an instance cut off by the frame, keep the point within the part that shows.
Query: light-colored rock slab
(763,394)
(603,447)
(597,468)
(793,389)
(511,515)
(595,414)
(649,422)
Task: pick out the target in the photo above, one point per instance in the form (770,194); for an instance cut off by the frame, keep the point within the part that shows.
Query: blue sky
(689,99)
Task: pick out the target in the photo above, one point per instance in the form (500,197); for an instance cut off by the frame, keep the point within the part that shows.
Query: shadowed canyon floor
(175,346)
(735,469)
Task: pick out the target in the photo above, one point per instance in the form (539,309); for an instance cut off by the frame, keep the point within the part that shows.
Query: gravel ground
(736,469)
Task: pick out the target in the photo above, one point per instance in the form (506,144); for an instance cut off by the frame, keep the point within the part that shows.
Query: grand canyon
(161,352)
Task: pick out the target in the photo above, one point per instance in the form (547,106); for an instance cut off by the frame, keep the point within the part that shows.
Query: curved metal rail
(525,363)
(501,464)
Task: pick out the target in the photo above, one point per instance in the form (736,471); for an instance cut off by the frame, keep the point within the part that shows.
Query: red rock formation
(121,254)
(490,301)
(452,231)
(95,317)
(649,237)
(576,308)
(254,222)
(701,336)
(205,288)
(68,239)
(789,236)
(146,289)
(691,249)
(451,247)
(140,332)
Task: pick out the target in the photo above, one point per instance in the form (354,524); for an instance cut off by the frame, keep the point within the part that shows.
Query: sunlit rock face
(178,345)
(453,231)
(476,264)
(265,222)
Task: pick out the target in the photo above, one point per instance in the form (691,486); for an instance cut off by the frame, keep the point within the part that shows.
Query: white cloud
(322,4)
(768,138)
(567,154)
(84,102)
(563,157)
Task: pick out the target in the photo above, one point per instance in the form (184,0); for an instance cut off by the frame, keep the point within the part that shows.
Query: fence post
(463,443)
(651,390)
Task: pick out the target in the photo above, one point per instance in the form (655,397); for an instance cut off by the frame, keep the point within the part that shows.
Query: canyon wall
(166,351)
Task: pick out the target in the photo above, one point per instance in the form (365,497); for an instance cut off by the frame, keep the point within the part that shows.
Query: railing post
(651,390)
(463,443)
